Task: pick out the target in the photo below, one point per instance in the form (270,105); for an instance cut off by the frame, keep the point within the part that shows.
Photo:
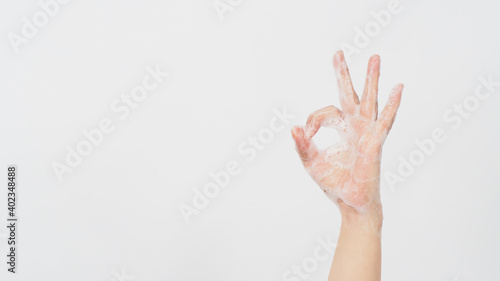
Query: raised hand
(349,171)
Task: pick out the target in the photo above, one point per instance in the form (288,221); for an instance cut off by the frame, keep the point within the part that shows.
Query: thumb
(305,146)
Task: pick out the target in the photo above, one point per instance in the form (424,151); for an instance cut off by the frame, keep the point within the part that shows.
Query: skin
(349,171)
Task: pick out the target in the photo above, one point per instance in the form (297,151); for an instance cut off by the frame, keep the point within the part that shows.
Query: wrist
(370,219)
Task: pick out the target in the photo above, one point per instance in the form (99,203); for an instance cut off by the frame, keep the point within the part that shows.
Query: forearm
(358,253)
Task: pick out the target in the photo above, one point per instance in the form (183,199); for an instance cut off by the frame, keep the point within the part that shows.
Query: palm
(349,170)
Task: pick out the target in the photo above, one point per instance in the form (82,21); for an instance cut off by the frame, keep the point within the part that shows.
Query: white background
(119,209)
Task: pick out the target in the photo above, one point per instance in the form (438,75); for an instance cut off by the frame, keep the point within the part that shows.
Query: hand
(349,171)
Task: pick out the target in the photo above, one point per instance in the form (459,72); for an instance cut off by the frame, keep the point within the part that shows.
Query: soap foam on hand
(349,170)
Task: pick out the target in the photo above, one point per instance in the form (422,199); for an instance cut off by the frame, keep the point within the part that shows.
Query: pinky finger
(388,115)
